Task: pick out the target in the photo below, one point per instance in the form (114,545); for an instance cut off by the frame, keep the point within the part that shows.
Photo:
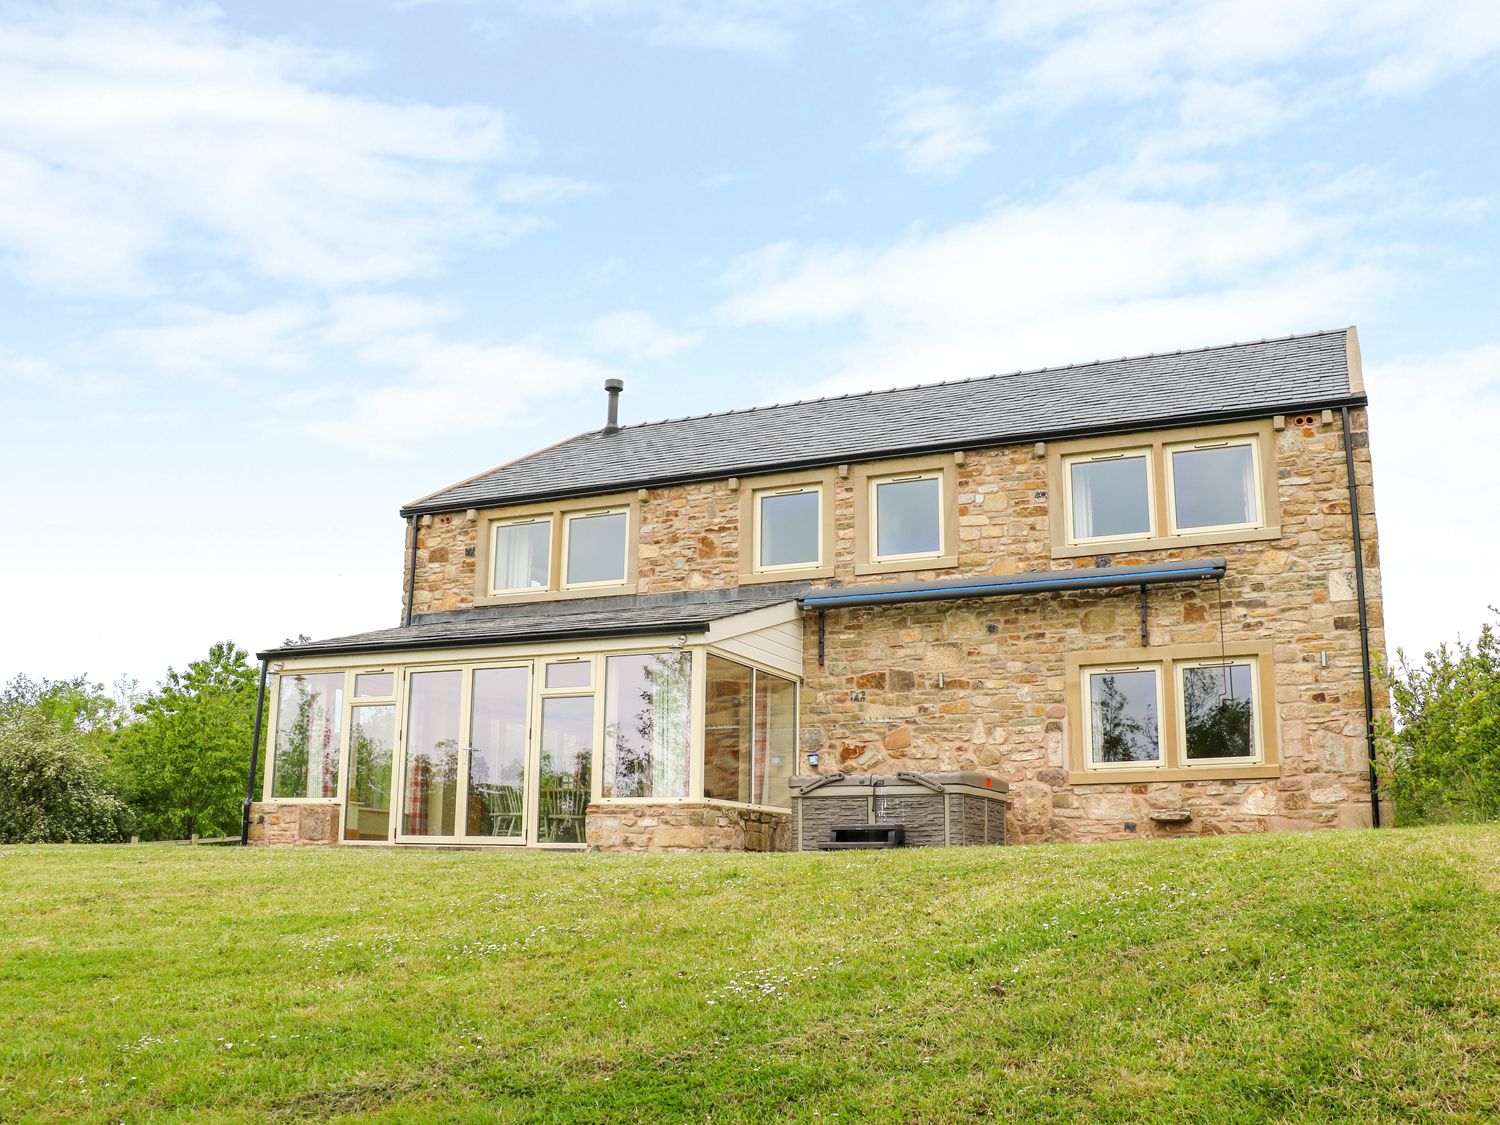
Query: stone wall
(980,684)
(283,825)
(678,827)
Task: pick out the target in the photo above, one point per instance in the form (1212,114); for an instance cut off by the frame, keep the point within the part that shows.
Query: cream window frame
(273,720)
(567,543)
(750,492)
(1172,724)
(1170,465)
(873,485)
(536,657)
(1257,756)
(1144,453)
(495,527)
(757,504)
(558,512)
(389,697)
(1268,501)
(1087,715)
(866,475)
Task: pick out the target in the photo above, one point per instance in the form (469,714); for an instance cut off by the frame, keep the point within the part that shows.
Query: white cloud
(1086,275)
(1431,437)
(211,344)
(134,133)
(1210,73)
(538,190)
(636,335)
(1129,48)
(752,27)
(446,388)
(747,27)
(936,134)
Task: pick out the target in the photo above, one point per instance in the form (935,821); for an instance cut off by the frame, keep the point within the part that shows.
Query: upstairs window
(1214,485)
(788,528)
(1162,490)
(572,548)
(522,555)
(1109,495)
(908,513)
(595,549)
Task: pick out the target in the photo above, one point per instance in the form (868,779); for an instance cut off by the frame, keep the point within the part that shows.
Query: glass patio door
(430,774)
(466,771)
(495,794)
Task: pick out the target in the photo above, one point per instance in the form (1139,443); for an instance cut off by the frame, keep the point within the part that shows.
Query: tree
(53,785)
(1441,758)
(67,705)
(181,759)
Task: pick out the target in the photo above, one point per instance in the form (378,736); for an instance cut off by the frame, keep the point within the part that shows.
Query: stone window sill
(1165,543)
(749,578)
(1198,773)
(555,595)
(907,566)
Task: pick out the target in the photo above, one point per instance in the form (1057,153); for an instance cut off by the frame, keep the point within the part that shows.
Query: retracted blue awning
(1039,582)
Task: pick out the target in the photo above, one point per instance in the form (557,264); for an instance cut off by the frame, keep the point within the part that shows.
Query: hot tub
(935,809)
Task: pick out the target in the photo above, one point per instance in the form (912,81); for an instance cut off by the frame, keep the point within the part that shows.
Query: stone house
(1140,596)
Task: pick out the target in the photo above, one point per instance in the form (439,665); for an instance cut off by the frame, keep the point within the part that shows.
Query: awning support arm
(822,638)
(1145,628)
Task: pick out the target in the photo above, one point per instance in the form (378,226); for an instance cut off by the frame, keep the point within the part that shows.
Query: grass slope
(1318,977)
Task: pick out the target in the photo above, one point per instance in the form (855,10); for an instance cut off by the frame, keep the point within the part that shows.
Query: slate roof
(614,616)
(1237,380)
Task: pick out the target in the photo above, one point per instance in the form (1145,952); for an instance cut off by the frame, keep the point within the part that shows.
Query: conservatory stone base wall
(278,825)
(673,828)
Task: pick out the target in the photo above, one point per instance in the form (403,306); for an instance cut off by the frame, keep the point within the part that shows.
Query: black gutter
(992,441)
(470,640)
(1043,582)
(1364,624)
(411,571)
(260,710)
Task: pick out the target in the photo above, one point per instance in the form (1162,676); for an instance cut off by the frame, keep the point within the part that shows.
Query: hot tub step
(850,836)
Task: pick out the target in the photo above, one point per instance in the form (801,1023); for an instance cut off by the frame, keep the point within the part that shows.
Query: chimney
(613,387)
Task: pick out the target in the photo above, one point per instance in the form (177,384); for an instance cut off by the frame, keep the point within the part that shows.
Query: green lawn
(1338,976)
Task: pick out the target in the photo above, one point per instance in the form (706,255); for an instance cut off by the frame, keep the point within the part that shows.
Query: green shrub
(53,787)
(1441,759)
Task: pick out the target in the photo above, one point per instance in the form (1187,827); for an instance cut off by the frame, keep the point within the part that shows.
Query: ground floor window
(309,735)
(372,746)
(1123,714)
(750,723)
(1218,710)
(515,749)
(647,740)
(1173,709)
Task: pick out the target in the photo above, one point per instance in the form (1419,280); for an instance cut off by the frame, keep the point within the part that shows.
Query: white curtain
(521,547)
(1248,484)
(1083,503)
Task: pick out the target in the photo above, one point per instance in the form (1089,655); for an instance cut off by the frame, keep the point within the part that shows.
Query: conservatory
(680,734)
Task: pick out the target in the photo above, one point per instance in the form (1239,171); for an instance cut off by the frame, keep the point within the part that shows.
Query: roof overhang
(477,640)
(1039,582)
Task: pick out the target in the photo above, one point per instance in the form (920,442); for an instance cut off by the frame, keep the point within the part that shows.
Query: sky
(268,270)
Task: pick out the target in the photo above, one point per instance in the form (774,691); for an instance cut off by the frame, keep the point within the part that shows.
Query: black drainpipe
(411,571)
(260,710)
(1364,623)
